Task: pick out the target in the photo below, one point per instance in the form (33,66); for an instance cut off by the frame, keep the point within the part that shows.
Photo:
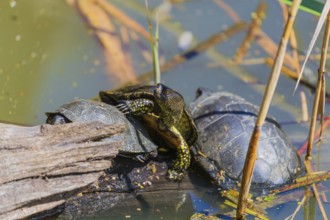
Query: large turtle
(225,123)
(163,111)
(137,143)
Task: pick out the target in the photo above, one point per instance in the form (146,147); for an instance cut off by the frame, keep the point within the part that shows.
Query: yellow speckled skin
(163,111)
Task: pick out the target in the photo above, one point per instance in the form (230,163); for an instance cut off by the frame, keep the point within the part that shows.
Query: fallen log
(42,166)
(59,169)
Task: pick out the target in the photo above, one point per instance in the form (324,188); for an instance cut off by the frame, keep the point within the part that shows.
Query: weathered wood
(18,137)
(22,213)
(21,193)
(47,149)
(40,166)
(81,167)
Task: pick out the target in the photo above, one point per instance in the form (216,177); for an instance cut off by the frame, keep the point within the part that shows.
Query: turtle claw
(175,175)
(141,157)
(124,108)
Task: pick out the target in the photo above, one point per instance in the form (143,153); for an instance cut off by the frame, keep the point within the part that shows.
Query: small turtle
(163,111)
(137,143)
(225,123)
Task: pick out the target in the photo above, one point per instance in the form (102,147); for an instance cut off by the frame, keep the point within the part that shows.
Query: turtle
(225,123)
(162,110)
(137,143)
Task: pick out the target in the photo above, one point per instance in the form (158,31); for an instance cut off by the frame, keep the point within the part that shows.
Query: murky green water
(49,56)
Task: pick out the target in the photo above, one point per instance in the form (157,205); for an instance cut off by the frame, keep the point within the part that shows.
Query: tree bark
(42,166)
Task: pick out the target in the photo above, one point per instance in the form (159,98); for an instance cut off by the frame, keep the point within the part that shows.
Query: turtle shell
(136,138)
(225,123)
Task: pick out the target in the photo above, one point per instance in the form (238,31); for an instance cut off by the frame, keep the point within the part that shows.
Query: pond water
(50,55)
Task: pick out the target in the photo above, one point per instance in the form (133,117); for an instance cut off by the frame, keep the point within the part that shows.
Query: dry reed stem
(292,74)
(232,14)
(293,39)
(313,57)
(123,18)
(252,61)
(303,181)
(263,40)
(253,145)
(323,16)
(266,43)
(294,45)
(286,71)
(318,106)
(304,107)
(257,18)
(315,190)
(298,208)
(262,60)
(249,211)
(252,209)
(124,35)
(118,62)
(316,135)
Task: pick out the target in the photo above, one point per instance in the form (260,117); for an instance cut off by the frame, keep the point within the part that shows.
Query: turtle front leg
(136,107)
(182,162)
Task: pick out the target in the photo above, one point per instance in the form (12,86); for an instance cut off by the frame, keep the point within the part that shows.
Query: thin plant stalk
(309,209)
(154,45)
(155,52)
(306,180)
(257,18)
(318,107)
(317,31)
(293,39)
(292,74)
(298,208)
(325,124)
(253,145)
(315,190)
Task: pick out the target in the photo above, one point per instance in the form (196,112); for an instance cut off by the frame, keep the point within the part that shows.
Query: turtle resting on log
(225,123)
(162,110)
(137,143)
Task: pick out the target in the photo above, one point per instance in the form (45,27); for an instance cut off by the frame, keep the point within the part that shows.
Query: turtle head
(203,93)
(106,97)
(170,102)
(56,118)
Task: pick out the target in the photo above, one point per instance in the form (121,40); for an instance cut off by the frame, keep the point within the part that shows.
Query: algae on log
(42,166)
